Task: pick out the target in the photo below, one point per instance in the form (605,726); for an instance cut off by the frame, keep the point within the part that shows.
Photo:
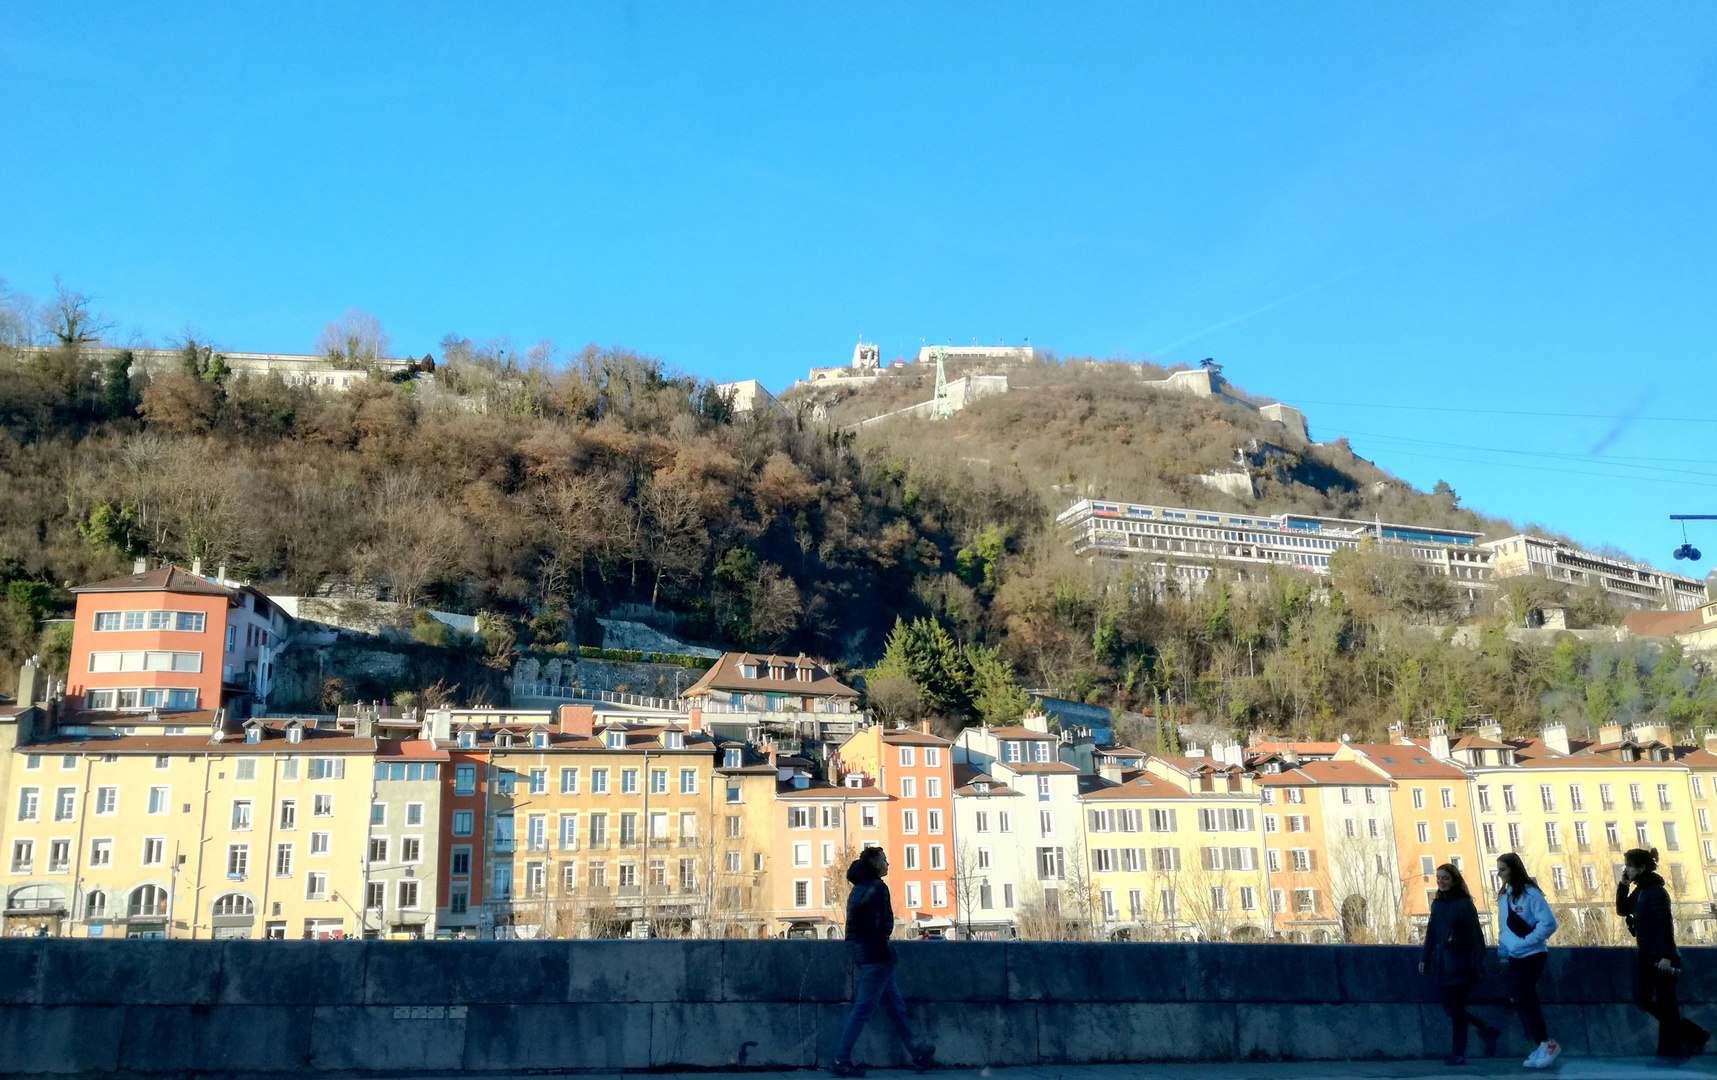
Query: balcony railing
(503,843)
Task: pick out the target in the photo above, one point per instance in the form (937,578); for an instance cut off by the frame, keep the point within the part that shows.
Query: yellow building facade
(1174,851)
(1571,808)
(158,829)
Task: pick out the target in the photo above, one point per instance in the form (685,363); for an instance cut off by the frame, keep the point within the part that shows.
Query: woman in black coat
(1643,901)
(1454,956)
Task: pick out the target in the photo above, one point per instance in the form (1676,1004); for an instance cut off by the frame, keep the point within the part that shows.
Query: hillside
(1098,428)
(540,496)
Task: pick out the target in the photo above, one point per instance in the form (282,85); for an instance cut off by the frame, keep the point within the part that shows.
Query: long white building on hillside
(1188,543)
(1627,584)
(295,369)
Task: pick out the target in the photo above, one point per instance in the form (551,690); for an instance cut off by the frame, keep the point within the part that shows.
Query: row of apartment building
(594,824)
(143,803)
(1185,544)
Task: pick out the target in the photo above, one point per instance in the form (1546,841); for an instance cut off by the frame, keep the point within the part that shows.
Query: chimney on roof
(1397,732)
(1111,773)
(1710,740)
(1439,740)
(578,720)
(221,574)
(1556,737)
(1491,730)
(197,566)
(1609,734)
(694,720)
(365,726)
(30,682)
(1653,733)
(141,566)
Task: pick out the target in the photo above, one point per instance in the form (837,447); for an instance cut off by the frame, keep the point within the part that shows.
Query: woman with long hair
(1454,956)
(1526,924)
(1643,901)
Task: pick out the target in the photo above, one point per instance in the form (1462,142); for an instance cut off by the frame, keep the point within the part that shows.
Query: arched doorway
(232,915)
(146,912)
(35,910)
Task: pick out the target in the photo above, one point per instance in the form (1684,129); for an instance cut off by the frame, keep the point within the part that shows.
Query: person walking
(870,923)
(1526,925)
(1454,956)
(1643,901)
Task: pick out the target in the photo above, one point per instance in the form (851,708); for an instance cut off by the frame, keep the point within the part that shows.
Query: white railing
(559,692)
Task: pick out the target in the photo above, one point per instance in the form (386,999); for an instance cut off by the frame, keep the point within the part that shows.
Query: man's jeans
(874,984)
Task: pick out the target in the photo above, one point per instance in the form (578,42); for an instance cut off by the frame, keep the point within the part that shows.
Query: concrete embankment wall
(373,1008)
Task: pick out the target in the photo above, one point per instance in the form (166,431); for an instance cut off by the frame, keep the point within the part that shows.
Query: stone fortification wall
(380,1007)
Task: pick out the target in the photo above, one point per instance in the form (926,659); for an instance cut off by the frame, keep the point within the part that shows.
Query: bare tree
(677,538)
(355,339)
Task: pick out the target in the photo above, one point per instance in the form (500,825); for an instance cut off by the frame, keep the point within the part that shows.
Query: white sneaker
(1542,1057)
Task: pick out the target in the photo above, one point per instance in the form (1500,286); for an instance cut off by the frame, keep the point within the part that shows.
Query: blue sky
(1354,207)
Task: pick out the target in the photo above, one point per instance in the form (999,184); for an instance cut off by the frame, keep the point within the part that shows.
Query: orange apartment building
(170,640)
(1430,802)
(916,770)
(819,829)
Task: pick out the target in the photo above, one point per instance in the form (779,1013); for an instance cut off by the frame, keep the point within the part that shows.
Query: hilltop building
(1208,382)
(748,396)
(1005,354)
(1187,544)
(866,365)
(295,369)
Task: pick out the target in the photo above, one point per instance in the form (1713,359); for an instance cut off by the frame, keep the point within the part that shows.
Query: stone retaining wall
(379,1007)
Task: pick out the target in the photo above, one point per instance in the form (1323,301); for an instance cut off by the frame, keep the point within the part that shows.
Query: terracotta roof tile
(163,579)
(726,677)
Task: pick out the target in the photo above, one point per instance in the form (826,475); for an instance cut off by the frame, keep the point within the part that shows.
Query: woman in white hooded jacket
(1526,924)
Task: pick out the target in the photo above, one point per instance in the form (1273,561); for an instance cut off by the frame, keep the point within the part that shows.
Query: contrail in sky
(1255,312)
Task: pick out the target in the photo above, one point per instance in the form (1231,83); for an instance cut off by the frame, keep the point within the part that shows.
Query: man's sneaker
(1544,1056)
(923,1058)
(845,1068)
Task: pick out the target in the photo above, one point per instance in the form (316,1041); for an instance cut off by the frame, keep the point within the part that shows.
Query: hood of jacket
(861,871)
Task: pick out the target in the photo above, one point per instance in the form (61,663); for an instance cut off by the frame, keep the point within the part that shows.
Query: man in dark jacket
(870,923)
(1643,901)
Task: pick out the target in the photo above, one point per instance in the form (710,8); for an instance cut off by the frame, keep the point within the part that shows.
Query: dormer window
(1011,751)
(539,739)
(855,781)
(1040,752)
(981,788)
(615,740)
(673,740)
(748,671)
(733,758)
(252,734)
(504,739)
(805,674)
(295,734)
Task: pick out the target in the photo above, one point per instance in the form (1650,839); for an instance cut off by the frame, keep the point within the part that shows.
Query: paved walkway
(1481,1069)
